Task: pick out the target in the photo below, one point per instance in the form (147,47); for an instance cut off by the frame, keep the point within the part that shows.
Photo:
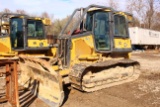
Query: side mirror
(46,21)
(129,18)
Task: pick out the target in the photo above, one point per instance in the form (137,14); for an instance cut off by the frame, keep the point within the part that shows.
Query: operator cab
(108,28)
(23,29)
(104,27)
(23,33)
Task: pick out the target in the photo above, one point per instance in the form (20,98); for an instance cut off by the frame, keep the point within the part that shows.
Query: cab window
(120,28)
(35,28)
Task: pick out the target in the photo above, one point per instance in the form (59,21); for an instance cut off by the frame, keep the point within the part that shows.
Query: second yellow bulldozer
(91,55)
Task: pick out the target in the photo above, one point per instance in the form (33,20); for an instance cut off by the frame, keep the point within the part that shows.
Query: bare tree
(113,4)
(59,24)
(6,10)
(137,7)
(45,15)
(156,21)
(144,11)
(150,12)
(49,29)
(19,11)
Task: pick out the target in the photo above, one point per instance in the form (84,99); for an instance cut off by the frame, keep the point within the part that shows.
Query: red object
(77,31)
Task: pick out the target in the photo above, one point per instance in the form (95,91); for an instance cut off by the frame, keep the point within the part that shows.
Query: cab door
(101,31)
(16,33)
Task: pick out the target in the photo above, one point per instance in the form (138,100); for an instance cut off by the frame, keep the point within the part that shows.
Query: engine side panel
(82,48)
(5,44)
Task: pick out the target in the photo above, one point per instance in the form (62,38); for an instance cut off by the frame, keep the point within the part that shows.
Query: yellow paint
(37,43)
(20,17)
(89,41)
(5,44)
(83,50)
(38,18)
(128,16)
(82,46)
(120,13)
(36,55)
(55,67)
(2,54)
(35,18)
(46,21)
(4,23)
(88,57)
(121,43)
(129,55)
(95,8)
(93,57)
(54,51)
(64,72)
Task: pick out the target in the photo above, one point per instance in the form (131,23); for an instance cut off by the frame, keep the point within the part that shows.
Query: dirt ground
(144,92)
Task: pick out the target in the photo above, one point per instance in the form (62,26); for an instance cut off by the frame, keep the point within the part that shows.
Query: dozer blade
(38,76)
(101,75)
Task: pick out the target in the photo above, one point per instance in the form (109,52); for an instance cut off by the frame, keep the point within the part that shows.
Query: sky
(57,8)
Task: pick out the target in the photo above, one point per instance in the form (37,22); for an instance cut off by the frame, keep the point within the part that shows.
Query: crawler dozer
(24,37)
(91,52)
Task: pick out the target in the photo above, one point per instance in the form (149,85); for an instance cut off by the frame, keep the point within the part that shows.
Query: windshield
(120,26)
(35,28)
(101,31)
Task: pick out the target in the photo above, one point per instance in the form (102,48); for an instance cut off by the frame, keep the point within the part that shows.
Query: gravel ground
(144,92)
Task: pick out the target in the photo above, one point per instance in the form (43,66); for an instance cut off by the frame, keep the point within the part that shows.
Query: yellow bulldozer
(92,55)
